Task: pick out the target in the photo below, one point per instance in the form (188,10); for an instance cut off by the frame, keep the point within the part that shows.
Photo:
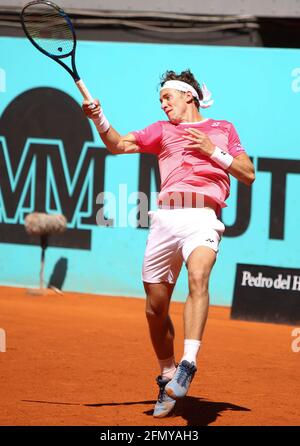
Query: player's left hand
(199,141)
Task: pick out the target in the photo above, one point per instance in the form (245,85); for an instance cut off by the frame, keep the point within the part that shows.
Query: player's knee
(198,280)
(156,311)
(152,314)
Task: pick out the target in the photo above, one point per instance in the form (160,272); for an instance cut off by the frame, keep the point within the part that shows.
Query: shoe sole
(164,414)
(170,393)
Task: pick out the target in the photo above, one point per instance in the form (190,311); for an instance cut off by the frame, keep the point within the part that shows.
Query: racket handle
(84,91)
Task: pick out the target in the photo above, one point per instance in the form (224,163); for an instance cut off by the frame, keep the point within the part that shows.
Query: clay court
(76,359)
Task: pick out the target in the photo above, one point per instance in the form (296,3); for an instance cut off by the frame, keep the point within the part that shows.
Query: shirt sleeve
(234,144)
(149,139)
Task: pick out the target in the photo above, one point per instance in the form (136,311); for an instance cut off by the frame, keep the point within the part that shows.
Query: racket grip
(84,91)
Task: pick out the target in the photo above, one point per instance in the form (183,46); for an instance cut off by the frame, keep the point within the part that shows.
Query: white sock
(191,350)
(167,367)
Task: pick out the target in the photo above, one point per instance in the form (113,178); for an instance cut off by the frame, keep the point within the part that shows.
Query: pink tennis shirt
(187,170)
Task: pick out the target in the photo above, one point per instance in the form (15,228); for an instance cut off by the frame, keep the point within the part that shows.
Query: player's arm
(118,144)
(113,141)
(242,169)
(239,166)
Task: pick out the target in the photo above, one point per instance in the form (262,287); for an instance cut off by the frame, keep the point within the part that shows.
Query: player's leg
(161,329)
(161,267)
(199,265)
(162,337)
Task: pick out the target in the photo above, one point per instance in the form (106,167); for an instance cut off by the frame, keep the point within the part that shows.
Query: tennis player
(195,156)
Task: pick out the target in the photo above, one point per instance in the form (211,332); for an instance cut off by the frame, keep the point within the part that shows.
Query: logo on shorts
(209,240)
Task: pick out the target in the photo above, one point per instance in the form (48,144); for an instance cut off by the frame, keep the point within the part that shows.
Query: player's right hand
(91,109)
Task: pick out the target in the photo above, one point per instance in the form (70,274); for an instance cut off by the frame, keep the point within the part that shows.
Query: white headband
(183,86)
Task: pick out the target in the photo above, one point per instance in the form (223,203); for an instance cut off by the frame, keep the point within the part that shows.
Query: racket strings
(50,31)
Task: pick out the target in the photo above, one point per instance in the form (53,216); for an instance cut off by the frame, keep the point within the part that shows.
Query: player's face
(173,104)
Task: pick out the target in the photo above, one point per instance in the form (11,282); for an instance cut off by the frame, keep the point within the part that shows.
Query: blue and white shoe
(179,385)
(164,404)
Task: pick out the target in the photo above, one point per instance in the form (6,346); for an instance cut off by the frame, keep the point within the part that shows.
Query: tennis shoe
(179,385)
(164,404)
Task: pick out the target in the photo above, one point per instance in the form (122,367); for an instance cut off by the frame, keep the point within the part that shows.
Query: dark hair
(185,76)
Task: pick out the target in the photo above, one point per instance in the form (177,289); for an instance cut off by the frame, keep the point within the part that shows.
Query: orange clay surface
(76,359)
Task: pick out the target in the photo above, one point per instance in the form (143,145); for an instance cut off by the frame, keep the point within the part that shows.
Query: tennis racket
(50,30)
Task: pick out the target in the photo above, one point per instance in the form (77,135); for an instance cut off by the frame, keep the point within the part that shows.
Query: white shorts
(174,234)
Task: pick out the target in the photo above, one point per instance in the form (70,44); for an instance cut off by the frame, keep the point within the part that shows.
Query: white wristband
(101,122)
(222,158)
